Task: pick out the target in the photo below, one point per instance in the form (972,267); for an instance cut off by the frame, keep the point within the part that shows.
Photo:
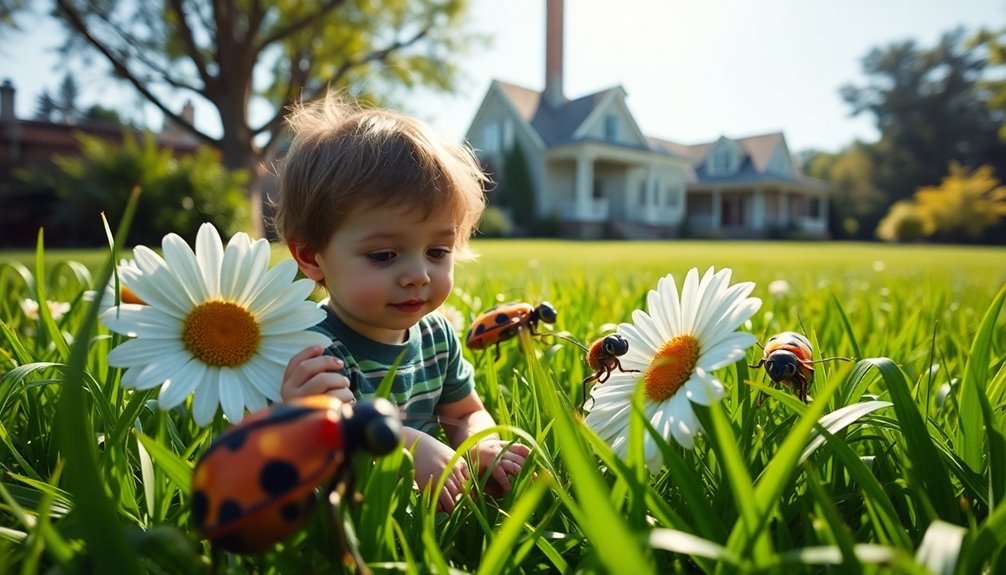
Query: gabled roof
(556,126)
(758,149)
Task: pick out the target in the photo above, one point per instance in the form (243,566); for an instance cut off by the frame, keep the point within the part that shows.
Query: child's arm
(312,373)
(465,418)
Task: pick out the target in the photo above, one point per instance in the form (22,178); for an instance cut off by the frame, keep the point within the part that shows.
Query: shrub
(177,194)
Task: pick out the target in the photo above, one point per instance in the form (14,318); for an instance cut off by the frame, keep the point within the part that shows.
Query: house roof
(555,125)
(758,149)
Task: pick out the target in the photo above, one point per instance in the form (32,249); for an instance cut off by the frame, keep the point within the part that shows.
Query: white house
(594,170)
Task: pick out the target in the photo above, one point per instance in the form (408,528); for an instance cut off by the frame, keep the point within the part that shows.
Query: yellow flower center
(671,367)
(221,333)
(126,295)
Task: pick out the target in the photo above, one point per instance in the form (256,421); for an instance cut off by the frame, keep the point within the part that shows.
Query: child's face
(385,268)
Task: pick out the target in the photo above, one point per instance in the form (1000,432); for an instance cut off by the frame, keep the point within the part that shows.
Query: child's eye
(381,257)
(437,254)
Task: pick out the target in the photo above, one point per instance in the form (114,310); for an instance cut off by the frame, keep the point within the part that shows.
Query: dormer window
(611,128)
(720,164)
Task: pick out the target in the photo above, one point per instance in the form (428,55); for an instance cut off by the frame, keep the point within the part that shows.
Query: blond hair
(344,157)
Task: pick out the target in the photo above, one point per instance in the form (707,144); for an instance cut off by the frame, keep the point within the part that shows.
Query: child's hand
(508,464)
(431,458)
(311,373)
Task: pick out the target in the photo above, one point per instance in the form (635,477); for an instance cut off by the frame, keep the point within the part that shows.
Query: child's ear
(307,260)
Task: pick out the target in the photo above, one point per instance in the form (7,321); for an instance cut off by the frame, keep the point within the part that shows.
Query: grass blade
(927,473)
(973,398)
(616,546)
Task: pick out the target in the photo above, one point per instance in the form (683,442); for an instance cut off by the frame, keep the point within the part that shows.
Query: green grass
(897,466)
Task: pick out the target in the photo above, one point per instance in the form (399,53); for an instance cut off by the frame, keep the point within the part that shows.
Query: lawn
(896,465)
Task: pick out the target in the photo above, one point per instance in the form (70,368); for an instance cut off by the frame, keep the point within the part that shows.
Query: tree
(63,106)
(857,200)
(995,45)
(270,54)
(518,188)
(931,110)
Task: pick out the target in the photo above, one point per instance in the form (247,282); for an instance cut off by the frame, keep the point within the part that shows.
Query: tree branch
(378,55)
(76,21)
(190,42)
(297,25)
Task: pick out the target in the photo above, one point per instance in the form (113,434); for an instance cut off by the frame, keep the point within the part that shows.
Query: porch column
(783,208)
(584,185)
(716,210)
(758,210)
(823,202)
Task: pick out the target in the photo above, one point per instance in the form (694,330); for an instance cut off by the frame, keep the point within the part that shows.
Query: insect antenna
(565,335)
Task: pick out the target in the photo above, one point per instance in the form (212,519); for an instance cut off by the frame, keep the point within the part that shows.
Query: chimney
(7,101)
(553,53)
(188,112)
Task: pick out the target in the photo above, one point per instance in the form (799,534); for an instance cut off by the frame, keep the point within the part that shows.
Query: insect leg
(342,487)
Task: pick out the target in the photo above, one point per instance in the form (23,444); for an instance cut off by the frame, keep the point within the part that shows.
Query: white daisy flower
(778,288)
(675,347)
(57,309)
(217,323)
(126,295)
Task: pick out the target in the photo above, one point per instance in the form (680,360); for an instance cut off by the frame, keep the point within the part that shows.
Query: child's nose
(415,274)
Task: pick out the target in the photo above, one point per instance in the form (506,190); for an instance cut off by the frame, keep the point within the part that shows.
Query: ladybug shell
(498,324)
(255,484)
(796,344)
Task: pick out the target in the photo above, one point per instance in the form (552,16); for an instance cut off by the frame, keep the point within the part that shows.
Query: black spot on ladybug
(234,440)
(200,505)
(290,512)
(278,477)
(479,329)
(230,510)
(502,318)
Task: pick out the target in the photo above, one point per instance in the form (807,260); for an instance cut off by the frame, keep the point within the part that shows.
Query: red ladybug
(505,321)
(255,484)
(602,357)
(789,359)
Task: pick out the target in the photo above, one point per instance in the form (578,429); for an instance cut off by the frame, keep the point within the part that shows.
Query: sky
(693,70)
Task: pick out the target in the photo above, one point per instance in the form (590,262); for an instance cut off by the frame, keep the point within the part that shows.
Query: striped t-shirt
(432,371)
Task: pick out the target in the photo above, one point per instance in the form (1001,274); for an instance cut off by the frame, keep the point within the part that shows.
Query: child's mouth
(410,306)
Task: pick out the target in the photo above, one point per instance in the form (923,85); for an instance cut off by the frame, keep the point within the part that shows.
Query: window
(642,193)
(611,128)
(492,138)
(720,162)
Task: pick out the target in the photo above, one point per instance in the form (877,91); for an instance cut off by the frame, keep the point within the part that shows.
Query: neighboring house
(31,144)
(596,173)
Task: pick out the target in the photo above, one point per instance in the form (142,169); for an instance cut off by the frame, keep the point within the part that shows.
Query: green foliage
(903,223)
(517,188)
(877,474)
(221,52)
(995,45)
(178,194)
(932,106)
(495,223)
(964,206)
